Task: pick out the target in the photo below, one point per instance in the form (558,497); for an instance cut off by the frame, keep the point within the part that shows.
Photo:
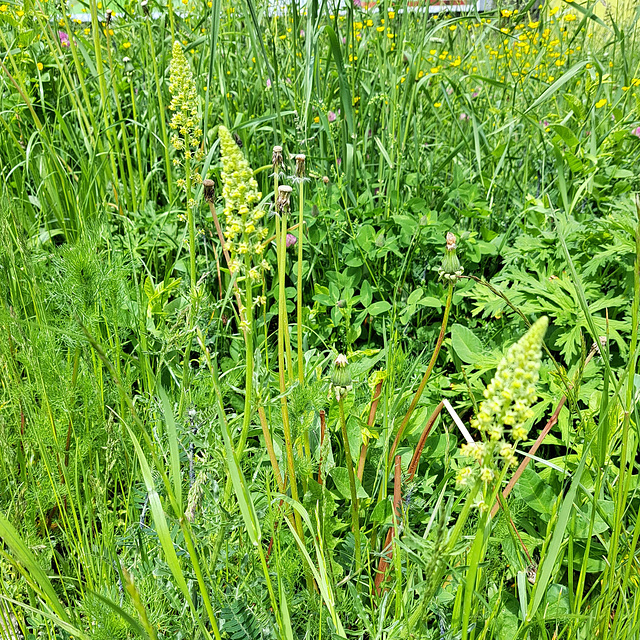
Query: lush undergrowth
(320,324)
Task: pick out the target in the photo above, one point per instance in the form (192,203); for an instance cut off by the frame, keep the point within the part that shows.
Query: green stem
(190,219)
(299,289)
(282,328)
(248,341)
(355,520)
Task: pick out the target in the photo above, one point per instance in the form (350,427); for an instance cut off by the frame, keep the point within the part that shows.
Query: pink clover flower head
(464,116)
(475,93)
(290,240)
(636,132)
(64,39)
(331,116)
(268,83)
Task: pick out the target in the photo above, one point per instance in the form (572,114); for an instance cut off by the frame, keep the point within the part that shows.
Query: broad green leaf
(375,309)
(340,476)
(535,492)
(466,344)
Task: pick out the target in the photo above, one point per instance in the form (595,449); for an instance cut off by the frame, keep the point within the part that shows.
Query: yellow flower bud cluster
(244,232)
(507,404)
(184,104)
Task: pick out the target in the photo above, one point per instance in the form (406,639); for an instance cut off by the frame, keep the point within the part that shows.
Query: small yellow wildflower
(379,29)
(601,103)
(19,14)
(570,17)
(40,66)
(126,45)
(437,105)
(3,7)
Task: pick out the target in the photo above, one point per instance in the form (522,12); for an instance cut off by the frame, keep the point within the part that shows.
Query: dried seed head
(237,139)
(283,201)
(145,7)
(300,160)
(209,190)
(325,179)
(276,159)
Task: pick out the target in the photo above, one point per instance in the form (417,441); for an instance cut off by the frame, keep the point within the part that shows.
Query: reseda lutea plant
(186,139)
(244,241)
(506,408)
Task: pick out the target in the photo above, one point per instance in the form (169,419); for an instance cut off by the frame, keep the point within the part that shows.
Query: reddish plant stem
(375,399)
(227,257)
(413,465)
(425,378)
(387,551)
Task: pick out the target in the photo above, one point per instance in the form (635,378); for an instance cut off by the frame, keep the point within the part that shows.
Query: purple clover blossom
(290,240)
(636,132)
(268,83)
(331,116)
(464,116)
(64,39)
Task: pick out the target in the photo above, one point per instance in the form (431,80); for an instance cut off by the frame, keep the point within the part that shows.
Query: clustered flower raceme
(184,104)
(244,234)
(507,406)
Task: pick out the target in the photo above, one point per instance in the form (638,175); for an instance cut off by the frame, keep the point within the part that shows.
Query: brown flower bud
(276,159)
(300,160)
(282,203)
(209,189)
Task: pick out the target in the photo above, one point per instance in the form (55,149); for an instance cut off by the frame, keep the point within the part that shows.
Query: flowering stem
(425,378)
(190,220)
(248,341)
(282,328)
(299,289)
(355,521)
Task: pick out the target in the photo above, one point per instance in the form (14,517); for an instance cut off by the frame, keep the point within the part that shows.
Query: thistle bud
(209,189)
(325,179)
(450,269)
(284,194)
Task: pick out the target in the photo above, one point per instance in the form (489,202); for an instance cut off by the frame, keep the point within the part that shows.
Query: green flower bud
(451,268)
(341,377)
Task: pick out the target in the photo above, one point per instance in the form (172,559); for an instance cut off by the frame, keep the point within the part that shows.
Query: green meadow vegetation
(320,322)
